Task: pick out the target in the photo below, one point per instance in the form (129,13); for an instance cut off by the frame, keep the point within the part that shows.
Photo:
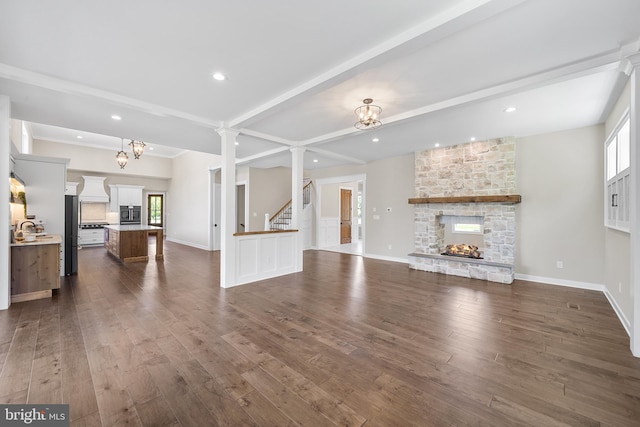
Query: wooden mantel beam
(510,198)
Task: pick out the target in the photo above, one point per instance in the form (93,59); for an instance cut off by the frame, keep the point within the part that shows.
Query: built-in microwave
(130,214)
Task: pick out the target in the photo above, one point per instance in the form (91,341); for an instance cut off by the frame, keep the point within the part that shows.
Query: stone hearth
(484,168)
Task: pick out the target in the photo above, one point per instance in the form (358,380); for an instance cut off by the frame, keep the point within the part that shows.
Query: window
(467,228)
(618,167)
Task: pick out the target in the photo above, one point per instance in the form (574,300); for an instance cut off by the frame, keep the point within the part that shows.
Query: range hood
(93,190)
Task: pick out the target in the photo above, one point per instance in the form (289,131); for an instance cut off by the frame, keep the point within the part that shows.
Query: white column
(635,205)
(5,216)
(297,175)
(228,208)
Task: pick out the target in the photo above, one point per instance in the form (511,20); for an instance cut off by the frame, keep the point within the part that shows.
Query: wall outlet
(559,264)
(376,217)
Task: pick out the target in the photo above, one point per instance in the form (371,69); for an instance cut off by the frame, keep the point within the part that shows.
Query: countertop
(49,239)
(138,227)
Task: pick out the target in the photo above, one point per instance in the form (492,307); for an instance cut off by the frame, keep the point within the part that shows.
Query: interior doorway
(331,211)
(346,197)
(155,210)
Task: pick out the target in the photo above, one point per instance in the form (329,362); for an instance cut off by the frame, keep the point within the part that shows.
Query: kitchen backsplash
(93,212)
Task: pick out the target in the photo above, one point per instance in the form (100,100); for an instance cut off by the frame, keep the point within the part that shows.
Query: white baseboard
(623,319)
(193,245)
(582,285)
(561,282)
(387,258)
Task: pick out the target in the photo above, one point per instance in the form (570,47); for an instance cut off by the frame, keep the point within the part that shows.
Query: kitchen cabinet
(45,184)
(93,236)
(71,188)
(35,268)
(125,195)
(112,241)
(130,243)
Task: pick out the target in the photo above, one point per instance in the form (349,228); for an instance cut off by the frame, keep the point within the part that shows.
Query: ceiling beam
(261,155)
(64,86)
(461,15)
(337,156)
(607,62)
(267,137)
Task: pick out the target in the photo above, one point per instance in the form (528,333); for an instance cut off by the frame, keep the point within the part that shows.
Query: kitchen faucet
(33,224)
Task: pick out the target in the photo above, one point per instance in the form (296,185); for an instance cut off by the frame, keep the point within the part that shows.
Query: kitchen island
(130,243)
(35,268)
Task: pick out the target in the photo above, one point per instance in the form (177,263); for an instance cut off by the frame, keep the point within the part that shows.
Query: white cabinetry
(125,195)
(71,189)
(94,236)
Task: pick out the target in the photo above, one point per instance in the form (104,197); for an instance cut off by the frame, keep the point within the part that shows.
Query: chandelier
(122,157)
(137,147)
(368,115)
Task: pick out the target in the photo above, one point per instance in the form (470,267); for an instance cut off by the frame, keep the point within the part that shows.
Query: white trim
(623,319)
(340,180)
(561,282)
(183,242)
(582,285)
(386,258)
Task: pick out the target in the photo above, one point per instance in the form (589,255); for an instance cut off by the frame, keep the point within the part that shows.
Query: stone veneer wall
(474,169)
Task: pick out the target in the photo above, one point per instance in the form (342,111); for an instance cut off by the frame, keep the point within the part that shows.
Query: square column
(297,176)
(228,208)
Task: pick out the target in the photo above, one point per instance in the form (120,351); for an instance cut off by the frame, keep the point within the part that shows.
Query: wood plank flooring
(348,342)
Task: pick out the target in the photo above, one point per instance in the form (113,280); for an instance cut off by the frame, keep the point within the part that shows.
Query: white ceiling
(443,71)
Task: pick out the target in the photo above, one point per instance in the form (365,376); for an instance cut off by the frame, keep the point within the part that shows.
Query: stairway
(282,219)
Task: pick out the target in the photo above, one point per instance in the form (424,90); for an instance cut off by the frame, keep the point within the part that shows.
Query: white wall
(389,184)
(559,176)
(188,200)
(101,162)
(269,190)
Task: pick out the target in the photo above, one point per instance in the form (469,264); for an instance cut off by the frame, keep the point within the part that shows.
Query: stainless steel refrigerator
(70,235)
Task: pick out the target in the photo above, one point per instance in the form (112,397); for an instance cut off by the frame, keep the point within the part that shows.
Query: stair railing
(282,219)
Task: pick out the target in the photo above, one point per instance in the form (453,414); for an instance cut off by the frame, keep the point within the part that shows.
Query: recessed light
(510,109)
(150,148)
(437,144)
(473,138)
(375,139)
(237,143)
(219,76)
(79,136)
(116,117)
(315,160)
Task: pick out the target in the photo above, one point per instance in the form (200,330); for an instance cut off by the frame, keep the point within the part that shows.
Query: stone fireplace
(475,180)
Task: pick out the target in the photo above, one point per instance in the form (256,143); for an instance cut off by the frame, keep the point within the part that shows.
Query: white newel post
(228,208)
(635,204)
(297,176)
(5,170)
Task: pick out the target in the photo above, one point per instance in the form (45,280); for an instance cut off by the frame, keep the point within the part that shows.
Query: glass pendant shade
(122,158)
(137,147)
(368,115)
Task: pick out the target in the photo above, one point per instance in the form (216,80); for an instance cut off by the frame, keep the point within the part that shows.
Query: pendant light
(122,157)
(368,115)
(137,147)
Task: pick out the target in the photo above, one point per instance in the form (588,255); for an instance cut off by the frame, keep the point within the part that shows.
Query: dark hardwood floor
(350,341)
